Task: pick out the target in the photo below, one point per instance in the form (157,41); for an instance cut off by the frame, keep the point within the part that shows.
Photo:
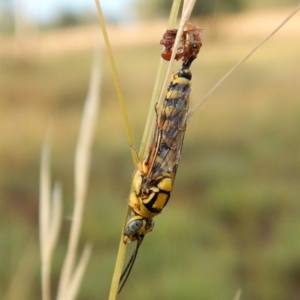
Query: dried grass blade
(79,272)
(45,194)
(55,218)
(116,80)
(44,219)
(118,267)
(82,163)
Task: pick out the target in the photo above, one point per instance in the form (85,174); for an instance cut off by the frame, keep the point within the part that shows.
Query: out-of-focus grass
(233,219)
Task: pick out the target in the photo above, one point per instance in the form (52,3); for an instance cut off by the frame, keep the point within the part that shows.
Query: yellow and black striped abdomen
(171,126)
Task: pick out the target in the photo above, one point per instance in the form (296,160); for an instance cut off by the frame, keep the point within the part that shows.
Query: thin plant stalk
(116,81)
(82,164)
(118,266)
(79,272)
(50,220)
(44,220)
(207,95)
(122,248)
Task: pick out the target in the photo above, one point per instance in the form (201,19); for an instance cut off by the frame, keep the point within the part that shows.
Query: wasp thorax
(185,73)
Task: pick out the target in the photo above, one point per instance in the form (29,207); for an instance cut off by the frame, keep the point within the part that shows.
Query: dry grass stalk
(71,275)
(116,79)
(51,207)
(79,272)
(50,220)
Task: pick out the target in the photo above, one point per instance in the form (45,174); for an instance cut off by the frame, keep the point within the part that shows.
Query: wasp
(155,175)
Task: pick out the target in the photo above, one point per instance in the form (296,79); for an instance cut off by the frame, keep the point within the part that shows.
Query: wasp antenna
(130,264)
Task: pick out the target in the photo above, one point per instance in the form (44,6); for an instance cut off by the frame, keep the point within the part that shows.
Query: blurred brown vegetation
(233,219)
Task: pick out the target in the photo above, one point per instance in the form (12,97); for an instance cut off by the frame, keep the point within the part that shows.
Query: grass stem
(116,80)
(82,166)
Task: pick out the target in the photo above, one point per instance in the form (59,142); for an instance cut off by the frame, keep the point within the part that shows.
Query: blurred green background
(234,217)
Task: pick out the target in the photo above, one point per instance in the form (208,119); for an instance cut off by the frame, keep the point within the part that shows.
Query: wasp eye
(133,227)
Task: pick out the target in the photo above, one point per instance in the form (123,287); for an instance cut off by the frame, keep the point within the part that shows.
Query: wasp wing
(168,139)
